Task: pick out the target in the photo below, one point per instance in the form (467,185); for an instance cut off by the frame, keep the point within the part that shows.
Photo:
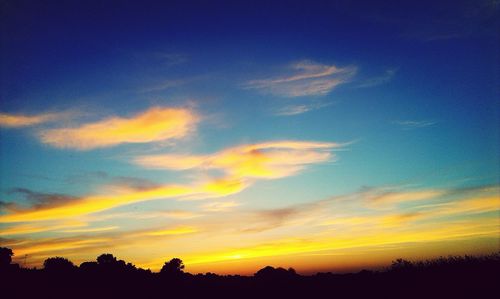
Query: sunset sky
(319,135)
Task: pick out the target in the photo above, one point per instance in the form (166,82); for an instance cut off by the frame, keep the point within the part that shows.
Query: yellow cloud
(124,196)
(155,124)
(90,230)
(22,120)
(473,205)
(396,197)
(369,238)
(52,246)
(173,231)
(262,160)
(31,229)
(300,229)
(219,206)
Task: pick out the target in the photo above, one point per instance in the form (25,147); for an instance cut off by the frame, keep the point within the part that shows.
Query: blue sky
(381,98)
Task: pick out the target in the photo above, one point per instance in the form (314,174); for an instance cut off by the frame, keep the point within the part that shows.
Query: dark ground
(452,277)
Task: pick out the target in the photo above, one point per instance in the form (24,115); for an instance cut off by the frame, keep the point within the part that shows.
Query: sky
(318,135)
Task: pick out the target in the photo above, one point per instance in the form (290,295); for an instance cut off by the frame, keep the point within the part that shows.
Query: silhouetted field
(107,277)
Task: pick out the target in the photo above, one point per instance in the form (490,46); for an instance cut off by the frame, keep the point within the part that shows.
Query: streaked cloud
(304,78)
(23,120)
(345,223)
(414,124)
(166,84)
(50,246)
(180,214)
(23,229)
(219,206)
(268,160)
(379,80)
(90,230)
(291,110)
(38,200)
(171,59)
(347,244)
(395,197)
(153,125)
(116,197)
(181,230)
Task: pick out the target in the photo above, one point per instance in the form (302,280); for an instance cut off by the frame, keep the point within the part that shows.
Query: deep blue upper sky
(98,54)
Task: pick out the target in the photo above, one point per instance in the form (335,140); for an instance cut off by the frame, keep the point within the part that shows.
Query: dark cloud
(39,200)
(7,206)
(274,218)
(134,183)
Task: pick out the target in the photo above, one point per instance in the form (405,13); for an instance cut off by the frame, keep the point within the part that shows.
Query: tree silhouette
(5,256)
(269,272)
(58,264)
(174,267)
(89,266)
(106,259)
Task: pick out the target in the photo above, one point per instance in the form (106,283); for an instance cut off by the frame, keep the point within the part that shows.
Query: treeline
(109,277)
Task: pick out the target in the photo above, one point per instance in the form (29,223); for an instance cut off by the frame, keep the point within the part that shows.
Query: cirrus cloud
(269,160)
(153,125)
(308,78)
(8,120)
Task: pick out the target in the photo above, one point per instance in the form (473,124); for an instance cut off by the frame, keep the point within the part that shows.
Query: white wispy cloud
(299,109)
(163,85)
(173,58)
(304,78)
(414,124)
(379,80)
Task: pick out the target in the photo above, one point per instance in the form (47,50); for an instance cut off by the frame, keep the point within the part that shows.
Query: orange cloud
(155,124)
(268,160)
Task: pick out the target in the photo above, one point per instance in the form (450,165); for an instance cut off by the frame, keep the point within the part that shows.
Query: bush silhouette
(401,265)
(5,256)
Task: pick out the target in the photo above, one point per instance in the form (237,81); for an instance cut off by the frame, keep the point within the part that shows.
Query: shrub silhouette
(401,265)
(5,256)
